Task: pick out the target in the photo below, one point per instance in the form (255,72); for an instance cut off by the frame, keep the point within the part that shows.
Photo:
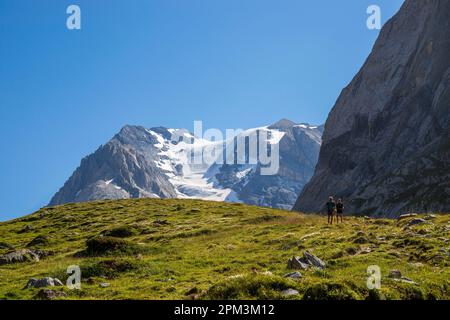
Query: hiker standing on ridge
(331,206)
(340,210)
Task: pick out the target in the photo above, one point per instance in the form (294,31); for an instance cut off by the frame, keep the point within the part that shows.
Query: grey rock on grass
(289,292)
(293,275)
(44,282)
(49,294)
(307,261)
(22,255)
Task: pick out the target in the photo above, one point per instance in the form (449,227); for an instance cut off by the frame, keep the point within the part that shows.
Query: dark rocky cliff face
(121,169)
(386,144)
(298,150)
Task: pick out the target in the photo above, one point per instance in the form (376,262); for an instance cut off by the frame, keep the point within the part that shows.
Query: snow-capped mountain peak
(163,162)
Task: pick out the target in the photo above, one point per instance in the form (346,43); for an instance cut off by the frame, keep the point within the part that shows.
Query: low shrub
(104,245)
(252,286)
(107,268)
(120,232)
(330,291)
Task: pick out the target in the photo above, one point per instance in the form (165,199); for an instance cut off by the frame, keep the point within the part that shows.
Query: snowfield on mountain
(150,163)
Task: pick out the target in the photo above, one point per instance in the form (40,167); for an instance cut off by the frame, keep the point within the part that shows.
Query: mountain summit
(386,143)
(147,163)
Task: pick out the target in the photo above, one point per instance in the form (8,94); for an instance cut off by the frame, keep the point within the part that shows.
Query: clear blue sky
(230,63)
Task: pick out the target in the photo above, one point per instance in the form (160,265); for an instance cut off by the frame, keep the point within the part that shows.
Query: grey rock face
(289,292)
(296,263)
(298,148)
(293,275)
(314,261)
(307,261)
(139,163)
(23,255)
(123,168)
(44,282)
(407,215)
(395,274)
(386,144)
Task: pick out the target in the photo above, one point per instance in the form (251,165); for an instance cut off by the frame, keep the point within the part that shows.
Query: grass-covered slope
(177,249)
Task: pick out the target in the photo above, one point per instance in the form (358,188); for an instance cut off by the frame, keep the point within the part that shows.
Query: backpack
(330,205)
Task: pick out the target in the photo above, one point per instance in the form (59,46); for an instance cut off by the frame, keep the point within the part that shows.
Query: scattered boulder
(296,263)
(293,275)
(22,255)
(408,215)
(104,285)
(407,280)
(48,294)
(365,250)
(289,292)
(416,221)
(303,263)
(313,260)
(430,217)
(395,274)
(44,282)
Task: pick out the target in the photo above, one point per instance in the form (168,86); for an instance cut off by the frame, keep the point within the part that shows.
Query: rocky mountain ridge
(148,163)
(386,143)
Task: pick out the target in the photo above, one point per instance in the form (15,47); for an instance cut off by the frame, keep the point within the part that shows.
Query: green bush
(107,268)
(120,232)
(330,291)
(253,286)
(103,245)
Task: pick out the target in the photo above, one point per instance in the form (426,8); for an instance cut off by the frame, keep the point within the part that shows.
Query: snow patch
(197,181)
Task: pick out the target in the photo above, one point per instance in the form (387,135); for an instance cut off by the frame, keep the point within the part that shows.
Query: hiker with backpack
(331,207)
(340,210)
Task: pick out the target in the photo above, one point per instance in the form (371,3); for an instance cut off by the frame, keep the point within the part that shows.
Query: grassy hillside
(178,249)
